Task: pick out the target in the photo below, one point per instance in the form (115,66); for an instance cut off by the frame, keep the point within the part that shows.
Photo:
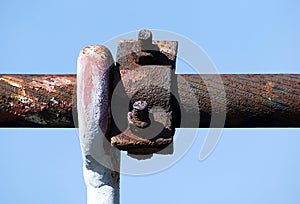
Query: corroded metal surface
(36,100)
(131,142)
(252,100)
(163,52)
(147,70)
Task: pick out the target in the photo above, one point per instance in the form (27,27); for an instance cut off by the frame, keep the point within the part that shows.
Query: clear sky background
(248,166)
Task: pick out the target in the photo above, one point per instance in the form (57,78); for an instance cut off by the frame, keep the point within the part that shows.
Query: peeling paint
(43,100)
(24,99)
(12,81)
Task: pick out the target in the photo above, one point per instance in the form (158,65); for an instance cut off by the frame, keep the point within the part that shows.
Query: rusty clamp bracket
(147,69)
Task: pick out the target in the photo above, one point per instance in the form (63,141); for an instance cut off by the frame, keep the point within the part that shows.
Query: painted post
(100,161)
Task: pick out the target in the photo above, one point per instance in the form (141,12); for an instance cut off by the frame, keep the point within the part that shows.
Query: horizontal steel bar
(250,100)
(36,100)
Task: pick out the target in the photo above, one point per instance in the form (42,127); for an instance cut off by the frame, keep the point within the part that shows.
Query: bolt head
(145,35)
(145,40)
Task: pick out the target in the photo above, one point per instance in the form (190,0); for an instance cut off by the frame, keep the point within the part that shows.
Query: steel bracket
(147,69)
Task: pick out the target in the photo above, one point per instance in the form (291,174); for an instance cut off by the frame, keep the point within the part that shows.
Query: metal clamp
(147,70)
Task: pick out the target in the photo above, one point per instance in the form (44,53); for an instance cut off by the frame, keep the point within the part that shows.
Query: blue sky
(248,166)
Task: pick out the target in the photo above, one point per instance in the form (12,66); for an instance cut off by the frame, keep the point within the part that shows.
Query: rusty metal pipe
(36,100)
(252,100)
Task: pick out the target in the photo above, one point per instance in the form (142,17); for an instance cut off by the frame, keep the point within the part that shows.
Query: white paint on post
(101,162)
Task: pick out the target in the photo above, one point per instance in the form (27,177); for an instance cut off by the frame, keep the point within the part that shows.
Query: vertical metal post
(101,161)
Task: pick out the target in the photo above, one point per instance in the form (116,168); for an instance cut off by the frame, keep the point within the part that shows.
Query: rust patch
(128,141)
(36,100)
(147,69)
(269,90)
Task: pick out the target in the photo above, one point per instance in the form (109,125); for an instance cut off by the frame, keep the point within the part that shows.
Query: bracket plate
(147,76)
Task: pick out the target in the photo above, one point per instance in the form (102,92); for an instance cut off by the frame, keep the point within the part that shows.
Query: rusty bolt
(145,50)
(139,116)
(145,40)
